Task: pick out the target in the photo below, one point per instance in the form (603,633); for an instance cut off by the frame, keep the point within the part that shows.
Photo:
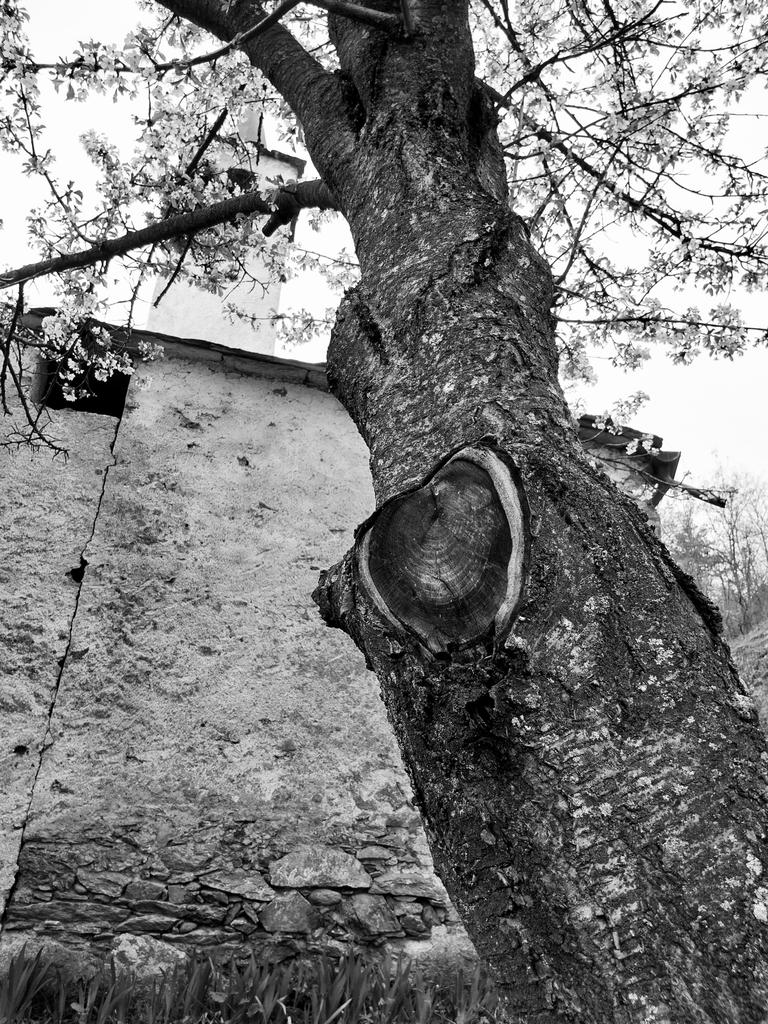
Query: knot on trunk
(446,561)
(334,595)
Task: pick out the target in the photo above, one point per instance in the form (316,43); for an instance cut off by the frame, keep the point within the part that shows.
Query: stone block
(177,894)
(413,925)
(402,905)
(375,853)
(206,937)
(147,923)
(321,866)
(325,897)
(289,912)
(205,913)
(431,916)
(251,913)
(244,926)
(189,859)
(372,915)
(410,883)
(65,913)
(142,889)
(248,884)
(105,883)
(144,957)
(162,907)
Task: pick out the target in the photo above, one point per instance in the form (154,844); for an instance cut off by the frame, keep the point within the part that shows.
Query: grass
(349,991)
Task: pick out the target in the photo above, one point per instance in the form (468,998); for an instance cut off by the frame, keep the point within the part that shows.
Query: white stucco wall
(47,508)
(220,771)
(190,312)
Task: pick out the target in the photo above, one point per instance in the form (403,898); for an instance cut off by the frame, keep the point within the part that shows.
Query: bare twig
(576,246)
(176,269)
(18,309)
(191,167)
(34,435)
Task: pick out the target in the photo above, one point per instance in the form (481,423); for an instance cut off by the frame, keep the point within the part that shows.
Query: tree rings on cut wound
(446,561)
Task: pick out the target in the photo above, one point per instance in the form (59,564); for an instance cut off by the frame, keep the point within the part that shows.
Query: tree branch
(237,42)
(648,318)
(314,95)
(367,15)
(292,198)
(669,222)
(303,194)
(210,136)
(379,19)
(621,34)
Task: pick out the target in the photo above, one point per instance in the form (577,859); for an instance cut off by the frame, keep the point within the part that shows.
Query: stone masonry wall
(219,772)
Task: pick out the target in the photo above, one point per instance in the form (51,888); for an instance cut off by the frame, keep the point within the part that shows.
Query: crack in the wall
(47,740)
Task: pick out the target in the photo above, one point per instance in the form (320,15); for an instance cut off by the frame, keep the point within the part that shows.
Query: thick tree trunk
(591,774)
(590,771)
(593,782)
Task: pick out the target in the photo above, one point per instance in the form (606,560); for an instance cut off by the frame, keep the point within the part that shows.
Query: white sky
(711,411)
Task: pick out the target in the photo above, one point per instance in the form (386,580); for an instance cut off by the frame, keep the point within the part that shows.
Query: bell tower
(187,311)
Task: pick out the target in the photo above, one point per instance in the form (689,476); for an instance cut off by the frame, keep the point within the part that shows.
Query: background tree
(726,550)
(589,768)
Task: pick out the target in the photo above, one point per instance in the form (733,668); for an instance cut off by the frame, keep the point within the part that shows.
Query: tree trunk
(590,771)
(592,780)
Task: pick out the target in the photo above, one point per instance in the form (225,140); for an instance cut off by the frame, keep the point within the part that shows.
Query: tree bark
(589,768)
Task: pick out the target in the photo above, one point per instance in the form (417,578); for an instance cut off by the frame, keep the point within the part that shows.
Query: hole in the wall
(78,571)
(103,397)
(20,749)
